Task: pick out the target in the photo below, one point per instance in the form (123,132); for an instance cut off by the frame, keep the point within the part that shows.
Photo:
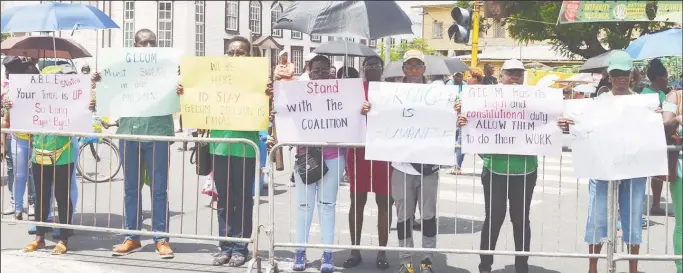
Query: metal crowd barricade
(179,233)
(609,254)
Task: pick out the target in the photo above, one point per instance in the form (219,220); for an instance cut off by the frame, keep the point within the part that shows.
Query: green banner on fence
(616,11)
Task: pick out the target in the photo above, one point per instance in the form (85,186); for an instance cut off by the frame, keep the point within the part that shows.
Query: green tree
(399,49)
(5,36)
(537,21)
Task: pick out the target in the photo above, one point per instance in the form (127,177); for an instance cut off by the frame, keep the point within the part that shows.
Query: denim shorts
(630,198)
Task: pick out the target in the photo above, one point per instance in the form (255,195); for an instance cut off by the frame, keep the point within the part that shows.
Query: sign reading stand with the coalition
(511,119)
(138,82)
(55,102)
(412,123)
(320,111)
(225,93)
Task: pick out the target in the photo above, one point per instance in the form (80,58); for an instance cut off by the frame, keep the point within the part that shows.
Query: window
(232,16)
(498,30)
(199,27)
(255,17)
(298,59)
(128,23)
(363,42)
(165,24)
(296,35)
(437,30)
(372,43)
(315,38)
(350,61)
(330,38)
(275,14)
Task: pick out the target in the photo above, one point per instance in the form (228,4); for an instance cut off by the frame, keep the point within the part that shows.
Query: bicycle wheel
(99,162)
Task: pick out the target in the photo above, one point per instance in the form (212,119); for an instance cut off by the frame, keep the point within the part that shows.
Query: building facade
(199,28)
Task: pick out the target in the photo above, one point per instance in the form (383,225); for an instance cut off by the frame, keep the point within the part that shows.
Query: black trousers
(498,189)
(45,177)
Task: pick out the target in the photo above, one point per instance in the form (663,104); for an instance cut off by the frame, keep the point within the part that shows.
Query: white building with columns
(197,28)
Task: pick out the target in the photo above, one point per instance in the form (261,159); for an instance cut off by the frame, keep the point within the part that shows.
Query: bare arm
(670,120)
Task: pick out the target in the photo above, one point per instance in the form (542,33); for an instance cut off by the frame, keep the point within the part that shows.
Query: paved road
(558,217)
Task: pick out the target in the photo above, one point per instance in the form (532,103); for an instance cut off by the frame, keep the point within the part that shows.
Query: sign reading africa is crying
(138,82)
(56,102)
(320,111)
(511,119)
(412,123)
(225,93)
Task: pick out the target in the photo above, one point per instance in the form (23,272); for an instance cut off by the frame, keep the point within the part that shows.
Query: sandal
(353,261)
(382,263)
(33,246)
(237,260)
(221,259)
(60,249)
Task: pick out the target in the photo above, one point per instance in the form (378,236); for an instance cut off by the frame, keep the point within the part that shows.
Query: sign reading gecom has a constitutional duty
(511,119)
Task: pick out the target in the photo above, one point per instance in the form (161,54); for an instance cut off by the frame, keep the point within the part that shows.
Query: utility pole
(475,33)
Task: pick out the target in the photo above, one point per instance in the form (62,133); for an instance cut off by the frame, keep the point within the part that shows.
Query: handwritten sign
(617,137)
(320,111)
(138,82)
(225,93)
(55,102)
(412,123)
(511,119)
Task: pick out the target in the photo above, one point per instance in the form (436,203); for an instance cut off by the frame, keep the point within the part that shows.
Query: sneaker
(10,209)
(19,216)
(31,210)
(406,268)
(299,260)
(426,266)
(164,250)
(128,247)
(327,265)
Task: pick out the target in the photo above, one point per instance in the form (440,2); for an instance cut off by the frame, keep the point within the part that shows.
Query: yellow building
(436,19)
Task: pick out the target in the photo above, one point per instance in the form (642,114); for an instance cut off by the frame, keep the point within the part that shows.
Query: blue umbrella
(661,44)
(54,16)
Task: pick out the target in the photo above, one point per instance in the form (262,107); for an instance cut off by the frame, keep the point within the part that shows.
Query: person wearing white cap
(307,68)
(507,177)
(284,71)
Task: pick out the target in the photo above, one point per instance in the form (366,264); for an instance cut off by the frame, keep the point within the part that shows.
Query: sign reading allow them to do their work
(54,102)
(413,123)
(320,111)
(617,137)
(138,82)
(225,93)
(511,119)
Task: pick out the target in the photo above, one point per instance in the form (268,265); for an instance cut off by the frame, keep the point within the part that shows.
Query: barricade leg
(612,189)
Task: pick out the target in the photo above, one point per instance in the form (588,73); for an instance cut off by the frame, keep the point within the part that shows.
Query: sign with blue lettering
(138,82)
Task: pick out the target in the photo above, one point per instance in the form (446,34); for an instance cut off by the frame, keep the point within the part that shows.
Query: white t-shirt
(304,77)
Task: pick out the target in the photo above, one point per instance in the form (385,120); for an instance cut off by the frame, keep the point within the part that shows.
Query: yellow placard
(224,93)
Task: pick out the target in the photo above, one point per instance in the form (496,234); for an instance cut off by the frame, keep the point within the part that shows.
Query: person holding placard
(311,188)
(506,177)
(368,176)
(631,196)
(673,124)
(414,185)
(152,154)
(460,157)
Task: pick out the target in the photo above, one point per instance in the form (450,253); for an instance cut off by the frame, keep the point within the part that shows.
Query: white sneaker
(31,210)
(9,209)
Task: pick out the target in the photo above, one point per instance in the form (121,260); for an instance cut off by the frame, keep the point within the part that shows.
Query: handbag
(48,157)
(310,165)
(426,169)
(201,157)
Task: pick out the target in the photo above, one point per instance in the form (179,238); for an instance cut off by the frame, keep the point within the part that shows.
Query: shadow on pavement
(447,225)
(532,269)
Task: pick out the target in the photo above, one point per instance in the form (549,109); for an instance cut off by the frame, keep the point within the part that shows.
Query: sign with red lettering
(54,102)
(320,111)
(511,119)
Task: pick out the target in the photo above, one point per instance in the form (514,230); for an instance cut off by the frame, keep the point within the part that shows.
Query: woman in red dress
(368,176)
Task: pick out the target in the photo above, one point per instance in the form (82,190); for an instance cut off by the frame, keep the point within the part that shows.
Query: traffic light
(459,32)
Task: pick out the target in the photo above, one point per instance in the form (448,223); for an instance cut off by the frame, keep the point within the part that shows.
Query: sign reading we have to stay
(225,93)
(138,82)
(320,111)
(55,102)
(511,119)
(412,123)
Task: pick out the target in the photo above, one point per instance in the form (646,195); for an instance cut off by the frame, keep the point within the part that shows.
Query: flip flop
(382,263)
(353,261)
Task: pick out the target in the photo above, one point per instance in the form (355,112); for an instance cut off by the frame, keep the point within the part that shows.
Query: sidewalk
(16,261)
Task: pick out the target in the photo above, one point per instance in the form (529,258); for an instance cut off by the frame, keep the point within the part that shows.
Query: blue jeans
(234,179)
(458,153)
(20,160)
(325,193)
(631,197)
(155,156)
(10,168)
